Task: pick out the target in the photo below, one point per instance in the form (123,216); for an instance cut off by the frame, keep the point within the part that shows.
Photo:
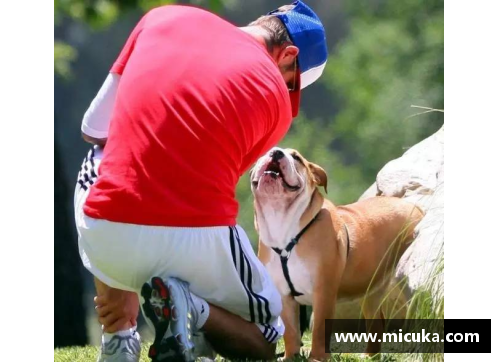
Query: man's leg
(223,270)
(118,311)
(233,337)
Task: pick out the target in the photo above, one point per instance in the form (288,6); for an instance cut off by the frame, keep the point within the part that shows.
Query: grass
(90,353)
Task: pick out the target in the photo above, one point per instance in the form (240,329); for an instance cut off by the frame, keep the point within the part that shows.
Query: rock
(418,176)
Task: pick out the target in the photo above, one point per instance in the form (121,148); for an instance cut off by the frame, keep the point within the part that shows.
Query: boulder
(418,176)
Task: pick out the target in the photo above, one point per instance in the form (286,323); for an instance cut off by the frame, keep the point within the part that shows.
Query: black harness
(284,254)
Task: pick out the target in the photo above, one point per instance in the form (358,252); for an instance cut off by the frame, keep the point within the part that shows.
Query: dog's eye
(255,183)
(297,158)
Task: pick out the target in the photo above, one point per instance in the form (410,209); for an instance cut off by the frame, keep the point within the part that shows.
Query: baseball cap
(308,34)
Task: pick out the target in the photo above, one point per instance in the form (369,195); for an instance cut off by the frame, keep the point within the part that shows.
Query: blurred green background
(384,57)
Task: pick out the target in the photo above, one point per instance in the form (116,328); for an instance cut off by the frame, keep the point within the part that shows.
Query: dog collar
(285,253)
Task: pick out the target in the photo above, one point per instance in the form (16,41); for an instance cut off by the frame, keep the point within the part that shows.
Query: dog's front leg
(290,316)
(324,299)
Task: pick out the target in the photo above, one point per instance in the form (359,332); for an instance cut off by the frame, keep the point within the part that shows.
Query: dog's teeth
(271,173)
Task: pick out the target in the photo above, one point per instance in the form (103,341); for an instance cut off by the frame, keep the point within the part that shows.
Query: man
(191,102)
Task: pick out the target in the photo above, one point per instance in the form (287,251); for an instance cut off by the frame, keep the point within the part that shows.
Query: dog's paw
(291,357)
(319,357)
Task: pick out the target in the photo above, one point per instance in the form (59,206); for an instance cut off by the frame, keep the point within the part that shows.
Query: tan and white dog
(318,253)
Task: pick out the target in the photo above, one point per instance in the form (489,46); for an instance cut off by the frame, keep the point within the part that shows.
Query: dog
(318,253)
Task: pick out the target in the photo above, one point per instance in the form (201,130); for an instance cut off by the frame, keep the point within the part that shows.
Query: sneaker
(169,303)
(203,351)
(121,349)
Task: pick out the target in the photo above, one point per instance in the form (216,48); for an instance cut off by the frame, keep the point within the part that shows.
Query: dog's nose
(276,155)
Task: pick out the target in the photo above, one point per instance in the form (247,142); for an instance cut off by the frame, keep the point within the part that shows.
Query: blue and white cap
(308,34)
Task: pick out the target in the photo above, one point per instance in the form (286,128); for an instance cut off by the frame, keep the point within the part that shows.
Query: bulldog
(318,253)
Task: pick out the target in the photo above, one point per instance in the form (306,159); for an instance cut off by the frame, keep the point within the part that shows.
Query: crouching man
(190,104)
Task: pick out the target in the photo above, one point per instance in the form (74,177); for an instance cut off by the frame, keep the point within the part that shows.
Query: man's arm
(95,123)
(94,141)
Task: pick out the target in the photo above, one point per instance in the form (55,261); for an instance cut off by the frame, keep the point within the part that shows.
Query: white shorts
(218,262)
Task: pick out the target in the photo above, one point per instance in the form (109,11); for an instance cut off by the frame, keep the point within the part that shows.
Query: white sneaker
(167,304)
(121,349)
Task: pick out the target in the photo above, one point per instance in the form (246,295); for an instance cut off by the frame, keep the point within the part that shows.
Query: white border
(26,180)
(472,117)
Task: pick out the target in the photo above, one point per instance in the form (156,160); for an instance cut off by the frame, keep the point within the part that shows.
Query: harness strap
(284,266)
(284,254)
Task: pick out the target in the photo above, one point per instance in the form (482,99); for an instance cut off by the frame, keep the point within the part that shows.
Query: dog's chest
(301,278)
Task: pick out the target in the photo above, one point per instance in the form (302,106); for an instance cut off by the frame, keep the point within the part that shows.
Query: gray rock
(418,176)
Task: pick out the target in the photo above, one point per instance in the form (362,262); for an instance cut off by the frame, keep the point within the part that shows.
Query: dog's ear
(320,177)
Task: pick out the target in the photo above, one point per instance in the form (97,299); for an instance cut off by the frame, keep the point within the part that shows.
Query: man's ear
(320,177)
(287,55)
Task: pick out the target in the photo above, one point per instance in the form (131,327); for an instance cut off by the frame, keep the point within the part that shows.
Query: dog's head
(285,175)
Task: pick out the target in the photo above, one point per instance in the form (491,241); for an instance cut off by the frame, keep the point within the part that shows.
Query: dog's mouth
(273,170)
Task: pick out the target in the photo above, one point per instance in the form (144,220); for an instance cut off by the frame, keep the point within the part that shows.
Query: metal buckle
(285,254)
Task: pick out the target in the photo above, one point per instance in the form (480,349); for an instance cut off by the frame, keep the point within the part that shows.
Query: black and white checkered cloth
(89,170)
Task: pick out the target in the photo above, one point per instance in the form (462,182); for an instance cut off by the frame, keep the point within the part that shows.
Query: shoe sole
(181,328)
(163,349)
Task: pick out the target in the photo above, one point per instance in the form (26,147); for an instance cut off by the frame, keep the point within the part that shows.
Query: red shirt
(199,101)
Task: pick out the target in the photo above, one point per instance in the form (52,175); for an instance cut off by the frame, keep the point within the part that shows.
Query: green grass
(89,354)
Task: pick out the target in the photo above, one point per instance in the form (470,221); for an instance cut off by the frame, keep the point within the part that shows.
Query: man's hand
(116,309)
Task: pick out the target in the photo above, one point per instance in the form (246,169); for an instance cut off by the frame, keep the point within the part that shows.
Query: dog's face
(285,175)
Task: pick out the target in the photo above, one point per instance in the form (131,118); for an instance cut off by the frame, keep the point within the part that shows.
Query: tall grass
(426,303)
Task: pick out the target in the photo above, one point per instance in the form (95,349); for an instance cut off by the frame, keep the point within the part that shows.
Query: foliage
(392,59)
(63,56)
(96,13)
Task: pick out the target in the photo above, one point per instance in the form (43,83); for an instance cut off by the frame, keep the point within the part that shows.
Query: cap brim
(295,95)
